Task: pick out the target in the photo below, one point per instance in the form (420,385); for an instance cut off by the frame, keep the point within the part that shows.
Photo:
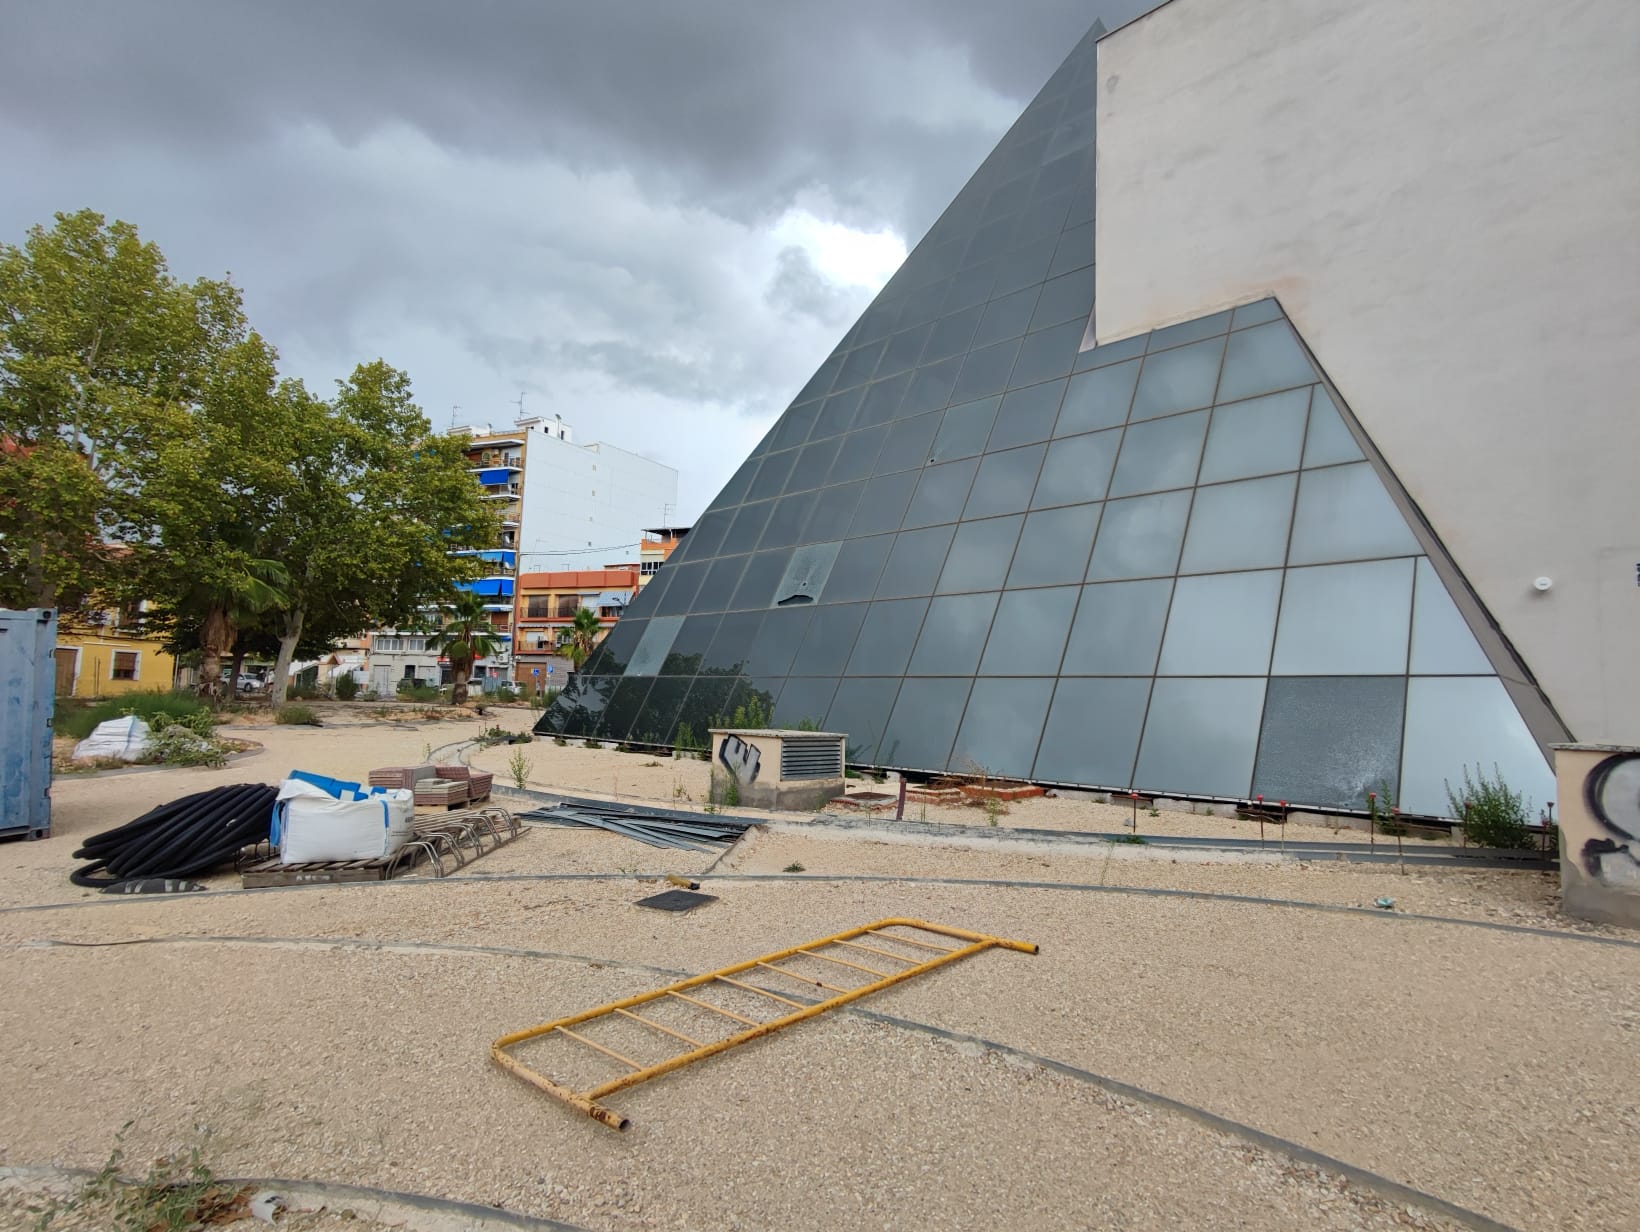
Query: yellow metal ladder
(846,955)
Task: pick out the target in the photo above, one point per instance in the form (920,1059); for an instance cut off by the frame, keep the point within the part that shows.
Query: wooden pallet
(273,873)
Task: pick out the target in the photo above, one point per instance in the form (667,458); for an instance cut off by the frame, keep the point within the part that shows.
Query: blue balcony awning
(500,587)
(498,474)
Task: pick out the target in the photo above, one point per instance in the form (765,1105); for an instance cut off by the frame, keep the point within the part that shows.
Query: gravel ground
(1456,1060)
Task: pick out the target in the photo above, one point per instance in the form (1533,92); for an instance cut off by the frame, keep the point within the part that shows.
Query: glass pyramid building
(976,541)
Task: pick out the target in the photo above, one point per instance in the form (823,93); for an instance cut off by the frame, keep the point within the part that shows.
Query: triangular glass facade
(971,544)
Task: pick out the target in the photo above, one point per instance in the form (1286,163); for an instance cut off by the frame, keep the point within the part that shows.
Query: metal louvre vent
(810,757)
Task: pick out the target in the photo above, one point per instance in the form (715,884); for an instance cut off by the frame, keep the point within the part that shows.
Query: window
(649,567)
(125,665)
(539,607)
(568,605)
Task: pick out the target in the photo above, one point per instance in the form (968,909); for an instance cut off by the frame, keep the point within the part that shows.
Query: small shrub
(81,723)
(1129,838)
(296,715)
(850,774)
(200,723)
(346,687)
(519,767)
(1493,815)
(993,809)
(686,741)
(590,743)
(793,867)
(410,691)
(302,693)
(178,745)
(505,693)
(559,741)
(1382,813)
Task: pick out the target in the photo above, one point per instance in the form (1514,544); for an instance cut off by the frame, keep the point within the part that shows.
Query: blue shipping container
(27,697)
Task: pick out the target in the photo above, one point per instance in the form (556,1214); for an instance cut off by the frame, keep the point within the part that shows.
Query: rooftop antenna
(454,407)
(521,404)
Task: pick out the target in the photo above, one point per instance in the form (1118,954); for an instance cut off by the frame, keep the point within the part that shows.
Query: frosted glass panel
(1000,729)
(1453,722)
(1093,732)
(1118,628)
(1239,525)
(1345,514)
(1139,538)
(1345,619)
(1329,740)
(1029,632)
(1442,644)
(1201,736)
(1258,437)
(1221,625)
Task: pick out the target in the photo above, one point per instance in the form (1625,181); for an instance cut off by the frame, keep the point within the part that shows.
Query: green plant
(505,693)
(1382,813)
(346,687)
(302,693)
(200,722)
(850,774)
(750,715)
(80,723)
(793,867)
(294,715)
(993,809)
(180,1193)
(1156,812)
(807,725)
(590,743)
(559,741)
(519,767)
(1129,838)
(427,750)
(179,745)
(1493,815)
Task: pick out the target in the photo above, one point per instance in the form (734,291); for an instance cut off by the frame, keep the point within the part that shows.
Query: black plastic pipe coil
(180,839)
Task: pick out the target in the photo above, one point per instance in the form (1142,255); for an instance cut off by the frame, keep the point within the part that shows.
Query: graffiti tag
(739,758)
(1611,792)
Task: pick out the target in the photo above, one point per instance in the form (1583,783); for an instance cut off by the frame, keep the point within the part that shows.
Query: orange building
(545,609)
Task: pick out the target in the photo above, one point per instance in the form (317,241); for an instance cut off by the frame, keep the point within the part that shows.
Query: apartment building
(545,614)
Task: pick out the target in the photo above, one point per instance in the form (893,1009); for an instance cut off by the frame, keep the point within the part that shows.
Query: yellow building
(107,660)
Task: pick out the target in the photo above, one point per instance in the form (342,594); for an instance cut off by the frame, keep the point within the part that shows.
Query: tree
(583,635)
(467,636)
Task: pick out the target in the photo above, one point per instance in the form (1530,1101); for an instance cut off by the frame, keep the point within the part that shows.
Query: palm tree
(583,636)
(227,602)
(467,636)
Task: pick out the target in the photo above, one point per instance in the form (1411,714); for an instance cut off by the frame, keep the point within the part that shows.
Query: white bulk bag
(126,738)
(314,825)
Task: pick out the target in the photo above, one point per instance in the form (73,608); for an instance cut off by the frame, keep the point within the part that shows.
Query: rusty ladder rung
(750,1022)
(871,949)
(843,962)
(802,979)
(650,1022)
(608,1052)
(762,992)
(938,949)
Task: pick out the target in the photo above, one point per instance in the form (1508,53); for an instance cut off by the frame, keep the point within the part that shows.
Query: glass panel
(931,386)
(752,696)
(806,575)
(1329,740)
(1256,313)
(805,699)
(1098,399)
(735,490)
(1075,245)
(1189,331)
(1442,643)
(1028,634)
(615,651)
(1118,629)
(777,641)
(813,462)
(965,429)
(860,710)
(1345,620)
(680,592)
(1258,437)
(1001,726)
(1466,721)
(910,442)
(980,555)
(722,576)
(952,334)
(1239,525)
(794,425)
(1048,353)
(762,575)
(883,504)
(914,564)
(882,400)
(790,516)
(1329,440)
(1345,514)
(708,533)
(1004,482)
(1027,415)
(858,566)
(972,286)
(1093,732)
(1139,538)
(859,364)
(886,638)
(1026,266)
(746,530)
(658,719)
(1066,298)
(1112,353)
(829,641)
(707,704)
(858,454)
(1221,625)
(1077,469)
(1262,359)
(1163,453)
(985,371)
(1008,317)
(590,695)
(923,724)
(837,414)
(1054,547)
(821,381)
(904,349)
(990,241)
(1200,737)
(941,492)
(833,511)
(732,641)
(953,636)
(689,647)
(1178,380)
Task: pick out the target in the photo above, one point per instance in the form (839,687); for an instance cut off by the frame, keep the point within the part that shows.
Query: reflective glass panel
(1257,437)
(793,427)
(965,429)
(733,640)
(914,563)
(951,335)
(1027,415)
(1118,628)
(1140,537)
(858,454)
(941,493)
(1001,726)
(904,349)
(1200,737)
(703,540)
(924,723)
(883,504)
(1178,380)
(1093,732)
(657,720)
(1221,624)
(778,638)
(1458,722)
(623,707)
(1189,331)
(910,442)
(1329,440)
(762,575)
(735,490)
(1162,453)
(1004,482)
(1025,266)
(829,641)
(688,651)
(1116,352)
(790,516)
(985,371)
(1054,546)
(615,651)
(837,414)
(680,591)
(858,365)
(1076,244)
(706,705)
(931,386)
(813,464)
(1047,353)
(953,635)
(746,530)
(1007,317)
(1345,514)
(860,709)
(1028,635)
(886,638)
(980,555)
(1262,359)
(1239,525)
(722,576)
(1077,469)
(882,400)
(855,572)
(1442,644)
(833,511)
(1068,297)
(1256,313)
(804,699)
(1345,620)
(1329,740)
(1098,399)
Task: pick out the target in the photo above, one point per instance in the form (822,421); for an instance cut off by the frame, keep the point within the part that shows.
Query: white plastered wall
(1445,197)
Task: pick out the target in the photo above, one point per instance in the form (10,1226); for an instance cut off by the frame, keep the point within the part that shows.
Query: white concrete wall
(1446,199)
(588,496)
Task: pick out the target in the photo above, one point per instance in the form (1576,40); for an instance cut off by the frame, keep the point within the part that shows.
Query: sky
(651,218)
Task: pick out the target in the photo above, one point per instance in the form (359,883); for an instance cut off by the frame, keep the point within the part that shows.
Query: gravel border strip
(1383,1186)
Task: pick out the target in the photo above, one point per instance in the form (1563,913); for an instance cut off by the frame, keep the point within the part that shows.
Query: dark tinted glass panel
(623,707)
(941,493)
(707,704)
(1028,635)
(837,414)
(1054,546)
(1068,297)
(904,349)
(1331,740)
(703,540)
(1093,732)
(1008,317)
(1139,538)
(883,504)
(1178,380)
(1047,353)
(951,335)
(985,371)
(1025,266)
(980,555)
(924,723)
(680,592)
(821,381)
(591,695)
(886,638)
(657,720)
(882,400)
(915,562)
(829,641)
(858,454)
(860,709)
(1004,482)
(1077,469)
(771,479)
(931,386)
(654,645)
(794,425)
(833,511)
(688,653)
(910,442)
(1001,726)
(735,490)
(813,463)
(972,286)
(616,649)
(855,572)
(1261,359)
(965,429)
(762,575)
(805,699)
(733,640)
(778,638)
(1098,399)
(1027,415)
(990,241)
(1044,216)
(859,364)
(722,576)
(1075,248)
(1162,453)
(746,530)
(953,635)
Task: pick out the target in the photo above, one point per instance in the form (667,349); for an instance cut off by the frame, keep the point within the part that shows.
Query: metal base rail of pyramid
(870,939)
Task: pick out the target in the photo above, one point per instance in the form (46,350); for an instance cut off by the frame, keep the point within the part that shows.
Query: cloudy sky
(651,217)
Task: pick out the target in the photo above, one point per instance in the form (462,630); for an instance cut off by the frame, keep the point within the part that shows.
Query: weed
(519,767)
(728,794)
(427,750)
(1154,811)
(650,765)
(179,745)
(80,723)
(851,774)
(793,867)
(296,716)
(179,1193)
(559,741)
(711,808)
(1382,813)
(590,743)
(1493,815)
(1129,838)
(993,809)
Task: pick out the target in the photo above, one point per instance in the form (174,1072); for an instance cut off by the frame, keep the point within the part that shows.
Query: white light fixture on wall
(1542,583)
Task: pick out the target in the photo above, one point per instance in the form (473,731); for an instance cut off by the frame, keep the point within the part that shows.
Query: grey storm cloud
(575,200)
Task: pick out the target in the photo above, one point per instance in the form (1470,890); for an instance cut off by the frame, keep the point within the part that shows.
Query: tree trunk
(287,651)
(234,669)
(216,638)
(458,681)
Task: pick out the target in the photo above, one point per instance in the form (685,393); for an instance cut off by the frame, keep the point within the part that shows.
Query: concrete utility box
(27,698)
(1599,788)
(797,770)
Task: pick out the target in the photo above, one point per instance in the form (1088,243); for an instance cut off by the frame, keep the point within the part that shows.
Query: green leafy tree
(584,632)
(467,636)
